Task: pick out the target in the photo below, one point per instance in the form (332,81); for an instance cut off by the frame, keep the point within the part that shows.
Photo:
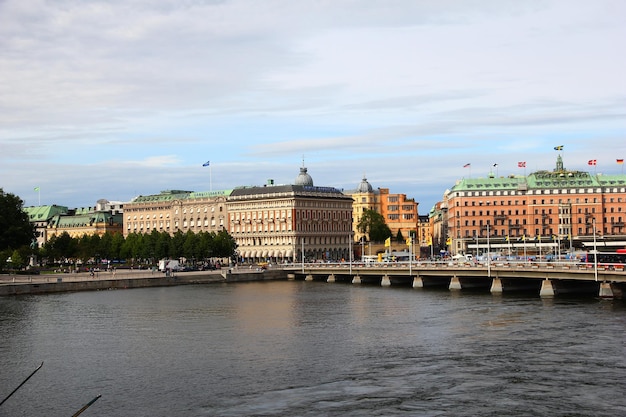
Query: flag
(429,241)
(592,162)
(521,164)
(466,165)
(36,188)
(619,161)
(558,148)
(449,241)
(495,165)
(408,241)
(206,164)
(387,242)
(507,238)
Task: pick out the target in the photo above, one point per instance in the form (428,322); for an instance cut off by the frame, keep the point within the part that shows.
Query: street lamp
(595,250)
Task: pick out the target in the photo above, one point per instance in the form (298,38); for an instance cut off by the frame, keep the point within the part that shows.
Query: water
(311,349)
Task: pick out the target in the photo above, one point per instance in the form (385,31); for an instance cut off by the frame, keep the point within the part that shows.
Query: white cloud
(135,96)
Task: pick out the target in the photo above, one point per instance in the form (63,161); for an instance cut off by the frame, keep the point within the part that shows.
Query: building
(84,221)
(398,211)
(172,211)
(276,223)
(40,217)
(549,211)
(364,198)
(54,220)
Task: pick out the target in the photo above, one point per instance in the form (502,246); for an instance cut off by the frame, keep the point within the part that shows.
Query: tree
(400,237)
(373,224)
(15,228)
(224,245)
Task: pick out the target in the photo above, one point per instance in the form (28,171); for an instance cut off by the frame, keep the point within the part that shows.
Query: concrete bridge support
(356,279)
(455,283)
(547,288)
(309,277)
(496,286)
(331,278)
(385,281)
(291,277)
(418,282)
(609,290)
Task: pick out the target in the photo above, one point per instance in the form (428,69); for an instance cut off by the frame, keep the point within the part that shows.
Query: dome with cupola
(364,186)
(304,178)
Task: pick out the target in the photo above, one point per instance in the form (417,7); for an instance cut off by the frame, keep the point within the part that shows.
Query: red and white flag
(592,162)
(521,164)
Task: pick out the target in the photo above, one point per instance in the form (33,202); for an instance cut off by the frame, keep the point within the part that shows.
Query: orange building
(549,210)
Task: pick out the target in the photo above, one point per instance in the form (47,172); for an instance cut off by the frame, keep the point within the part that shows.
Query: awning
(289,254)
(264,254)
(253,254)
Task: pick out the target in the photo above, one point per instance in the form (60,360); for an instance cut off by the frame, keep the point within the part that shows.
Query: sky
(115,99)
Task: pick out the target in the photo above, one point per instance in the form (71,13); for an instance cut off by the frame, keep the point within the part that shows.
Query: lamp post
(302,242)
(350,254)
(488,254)
(595,251)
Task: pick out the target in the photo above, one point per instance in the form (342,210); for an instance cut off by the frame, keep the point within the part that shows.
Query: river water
(293,348)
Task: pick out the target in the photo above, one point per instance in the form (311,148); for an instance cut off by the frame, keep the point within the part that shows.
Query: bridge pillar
(331,278)
(608,290)
(291,276)
(309,278)
(547,288)
(496,286)
(385,282)
(418,282)
(455,284)
(356,279)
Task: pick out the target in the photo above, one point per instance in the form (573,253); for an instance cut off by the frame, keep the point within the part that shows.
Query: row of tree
(140,248)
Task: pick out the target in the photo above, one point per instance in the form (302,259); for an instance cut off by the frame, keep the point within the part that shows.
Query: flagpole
(210,179)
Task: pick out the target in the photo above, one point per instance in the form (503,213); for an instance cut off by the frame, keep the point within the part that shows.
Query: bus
(612,260)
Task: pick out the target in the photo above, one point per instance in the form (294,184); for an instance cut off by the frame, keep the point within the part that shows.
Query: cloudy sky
(114,99)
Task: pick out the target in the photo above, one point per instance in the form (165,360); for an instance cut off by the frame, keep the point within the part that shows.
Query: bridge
(546,279)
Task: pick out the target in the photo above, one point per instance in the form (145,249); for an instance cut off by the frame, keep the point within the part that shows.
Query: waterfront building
(398,211)
(364,198)
(176,210)
(550,211)
(276,223)
(437,241)
(84,221)
(423,232)
(40,217)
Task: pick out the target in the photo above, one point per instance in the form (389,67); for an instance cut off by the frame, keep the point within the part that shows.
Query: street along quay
(546,279)
(125,279)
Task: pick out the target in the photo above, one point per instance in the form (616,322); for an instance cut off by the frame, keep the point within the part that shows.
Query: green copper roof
(44,213)
(171,195)
(82,220)
(541,180)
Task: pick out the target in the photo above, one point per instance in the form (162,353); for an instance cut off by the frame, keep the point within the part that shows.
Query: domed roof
(304,178)
(364,186)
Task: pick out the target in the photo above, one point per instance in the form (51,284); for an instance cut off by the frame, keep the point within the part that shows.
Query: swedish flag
(558,148)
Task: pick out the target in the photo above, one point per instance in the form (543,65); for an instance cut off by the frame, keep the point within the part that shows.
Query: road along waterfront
(287,348)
